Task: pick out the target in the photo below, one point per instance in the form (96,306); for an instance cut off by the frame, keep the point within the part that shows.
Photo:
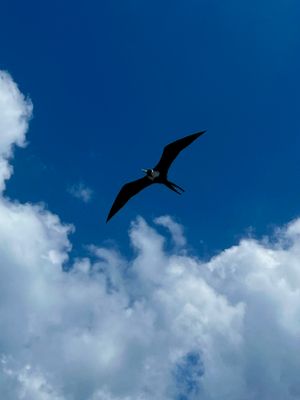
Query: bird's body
(158,174)
(156,177)
(152,174)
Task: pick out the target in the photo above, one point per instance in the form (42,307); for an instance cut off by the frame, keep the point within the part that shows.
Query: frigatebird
(158,174)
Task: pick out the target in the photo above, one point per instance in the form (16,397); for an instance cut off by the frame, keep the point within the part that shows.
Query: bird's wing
(172,150)
(128,190)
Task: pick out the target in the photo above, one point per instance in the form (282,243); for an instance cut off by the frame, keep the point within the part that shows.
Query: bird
(158,174)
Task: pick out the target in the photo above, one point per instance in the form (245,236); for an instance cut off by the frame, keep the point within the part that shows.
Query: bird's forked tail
(174,187)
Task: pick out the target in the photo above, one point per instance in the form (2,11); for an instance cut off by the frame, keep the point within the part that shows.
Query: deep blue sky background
(112,82)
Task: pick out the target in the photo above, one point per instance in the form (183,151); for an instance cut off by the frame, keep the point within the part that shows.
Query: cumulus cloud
(81,192)
(175,229)
(15,111)
(160,325)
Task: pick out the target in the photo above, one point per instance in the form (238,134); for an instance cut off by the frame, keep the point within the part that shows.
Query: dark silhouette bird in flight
(159,174)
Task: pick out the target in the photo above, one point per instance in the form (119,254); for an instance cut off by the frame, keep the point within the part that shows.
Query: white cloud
(15,112)
(81,192)
(156,326)
(28,384)
(176,230)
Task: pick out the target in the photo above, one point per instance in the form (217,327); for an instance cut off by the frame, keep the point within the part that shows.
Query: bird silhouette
(158,174)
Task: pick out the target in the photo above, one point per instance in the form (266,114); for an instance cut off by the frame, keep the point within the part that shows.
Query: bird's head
(148,172)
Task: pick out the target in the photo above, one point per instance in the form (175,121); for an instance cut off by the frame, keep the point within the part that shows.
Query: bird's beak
(144,170)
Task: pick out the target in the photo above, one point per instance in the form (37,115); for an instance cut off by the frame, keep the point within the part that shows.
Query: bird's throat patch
(154,175)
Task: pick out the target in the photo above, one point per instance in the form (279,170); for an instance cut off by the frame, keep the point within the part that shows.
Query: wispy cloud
(175,229)
(157,326)
(81,192)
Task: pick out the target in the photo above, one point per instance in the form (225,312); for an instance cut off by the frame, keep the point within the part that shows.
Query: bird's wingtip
(197,134)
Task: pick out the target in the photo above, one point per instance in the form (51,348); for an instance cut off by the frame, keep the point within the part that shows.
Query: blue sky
(113,82)
(177,295)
